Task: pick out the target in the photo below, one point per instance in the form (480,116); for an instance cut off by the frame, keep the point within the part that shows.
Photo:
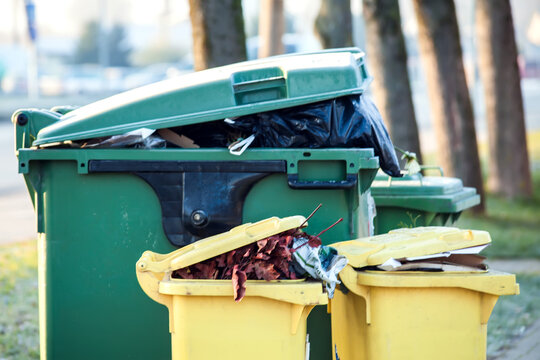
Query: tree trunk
(218,32)
(509,172)
(388,63)
(271,28)
(333,25)
(451,108)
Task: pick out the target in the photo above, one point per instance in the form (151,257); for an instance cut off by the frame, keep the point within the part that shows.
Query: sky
(60,22)
(64,17)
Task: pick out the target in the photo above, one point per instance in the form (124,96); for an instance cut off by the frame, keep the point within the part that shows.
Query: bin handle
(432,167)
(350,182)
(349,277)
(149,282)
(422,168)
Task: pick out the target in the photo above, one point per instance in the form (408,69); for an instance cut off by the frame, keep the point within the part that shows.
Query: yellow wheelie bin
(413,314)
(205,322)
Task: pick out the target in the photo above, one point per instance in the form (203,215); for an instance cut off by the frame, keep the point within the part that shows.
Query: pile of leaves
(267,259)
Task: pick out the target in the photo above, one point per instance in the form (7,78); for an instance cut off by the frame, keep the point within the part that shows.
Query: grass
(514,225)
(19,337)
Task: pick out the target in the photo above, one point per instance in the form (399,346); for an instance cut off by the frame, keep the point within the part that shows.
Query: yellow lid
(218,244)
(400,243)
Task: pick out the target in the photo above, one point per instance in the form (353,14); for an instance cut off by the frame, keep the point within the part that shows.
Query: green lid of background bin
(428,193)
(228,91)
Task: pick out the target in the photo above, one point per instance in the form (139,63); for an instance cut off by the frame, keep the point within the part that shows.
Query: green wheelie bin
(417,200)
(98,209)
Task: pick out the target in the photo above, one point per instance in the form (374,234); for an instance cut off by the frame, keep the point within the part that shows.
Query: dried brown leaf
(266,271)
(182,274)
(230,258)
(239,283)
(261,244)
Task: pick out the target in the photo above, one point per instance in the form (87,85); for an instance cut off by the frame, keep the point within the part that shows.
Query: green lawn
(514,225)
(19,338)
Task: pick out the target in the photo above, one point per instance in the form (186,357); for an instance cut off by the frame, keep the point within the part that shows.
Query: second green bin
(416,200)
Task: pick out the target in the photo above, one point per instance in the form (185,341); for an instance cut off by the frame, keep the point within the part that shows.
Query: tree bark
(271,28)
(333,25)
(451,108)
(509,172)
(218,32)
(388,63)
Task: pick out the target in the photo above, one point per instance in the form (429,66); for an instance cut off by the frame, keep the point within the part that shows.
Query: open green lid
(218,93)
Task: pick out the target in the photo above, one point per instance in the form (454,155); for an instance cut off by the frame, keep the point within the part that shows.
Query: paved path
(527,347)
(17,222)
(17,219)
(516,266)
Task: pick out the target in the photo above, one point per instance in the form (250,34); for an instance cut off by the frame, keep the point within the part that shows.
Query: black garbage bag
(345,122)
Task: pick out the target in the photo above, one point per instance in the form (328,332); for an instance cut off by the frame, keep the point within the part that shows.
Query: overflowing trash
(420,249)
(319,262)
(141,139)
(292,254)
(466,259)
(344,122)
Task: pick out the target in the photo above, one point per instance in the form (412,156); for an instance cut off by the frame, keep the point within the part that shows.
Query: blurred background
(457,82)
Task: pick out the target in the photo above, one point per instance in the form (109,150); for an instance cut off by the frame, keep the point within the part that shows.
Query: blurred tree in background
(218,32)
(88,46)
(509,172)
(333,25)
(451,108)
(88,49)
(271,28)
(388,63)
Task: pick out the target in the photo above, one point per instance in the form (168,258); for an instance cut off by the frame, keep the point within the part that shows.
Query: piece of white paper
(469,250)
(389,264)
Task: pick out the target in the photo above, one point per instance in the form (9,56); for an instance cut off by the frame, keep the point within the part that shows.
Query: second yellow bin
(413,315)
(204,320)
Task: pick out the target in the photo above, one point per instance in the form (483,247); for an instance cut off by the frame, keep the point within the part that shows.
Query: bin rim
(416,185)
(446,204)
(298,291)
(490,282)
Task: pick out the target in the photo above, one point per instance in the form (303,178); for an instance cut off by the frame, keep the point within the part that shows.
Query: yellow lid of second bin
(401,243)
